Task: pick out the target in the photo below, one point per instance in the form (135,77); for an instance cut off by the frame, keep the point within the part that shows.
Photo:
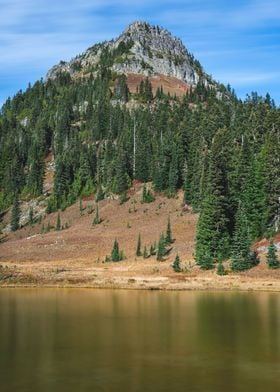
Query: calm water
(102,340)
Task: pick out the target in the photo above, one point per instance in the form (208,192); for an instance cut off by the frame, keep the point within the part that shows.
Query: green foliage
(206,262)
(81,206)
(121,184)
(176,265)
(99,195)
(96,219)
(153,250)
(242,257)
(15,214)
(145,92)
(116,254)
(220,269)
(138,248)
(168,237)
(121,90)
(212,239)
(161,248)
(123,197)
(147,196)
(271,256)
(58,222)
(52,205)
(145,252)
(30,216)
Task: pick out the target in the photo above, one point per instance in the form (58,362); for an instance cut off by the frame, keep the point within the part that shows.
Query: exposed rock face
(140,49)
(156,51)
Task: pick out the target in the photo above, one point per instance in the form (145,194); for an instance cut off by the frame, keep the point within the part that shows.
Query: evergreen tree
(81,206)
(121,173)
(153,250)
(271,257)
(58,222)
(121,90)
(99,194)
(145,253)
(15,214)
(220,268)
(242,258)
(30,216)
(168,237)
(138,248)
(96,219)
(116,254)
(207,262)
(147,196)
(177,264)
(173,176)
(161,251)
(212,238)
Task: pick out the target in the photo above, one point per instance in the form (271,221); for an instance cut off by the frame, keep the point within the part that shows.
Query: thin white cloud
(247,79)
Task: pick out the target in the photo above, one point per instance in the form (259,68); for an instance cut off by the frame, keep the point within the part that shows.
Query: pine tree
(161,251)
(177,264)
(168,237)
(147,196)
(212,238)
(153,250)
(58,222)
(81,207)
(145,253)
(99,194)
(30,216)
(96,219)
(173,176)
(121,90)
(121,174)
(207,262)
(220,268)
(271,256)
(138,248)
(115,254)
(254,198)
(15,214)
(242,258)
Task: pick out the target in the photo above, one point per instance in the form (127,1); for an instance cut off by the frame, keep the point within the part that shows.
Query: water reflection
(102,340)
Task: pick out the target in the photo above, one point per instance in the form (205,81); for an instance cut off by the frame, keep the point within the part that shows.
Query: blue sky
(237,42)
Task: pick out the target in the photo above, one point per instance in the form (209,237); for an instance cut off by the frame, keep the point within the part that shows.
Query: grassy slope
(75,256)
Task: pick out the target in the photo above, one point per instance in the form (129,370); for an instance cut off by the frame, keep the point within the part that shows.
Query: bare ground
(76,256)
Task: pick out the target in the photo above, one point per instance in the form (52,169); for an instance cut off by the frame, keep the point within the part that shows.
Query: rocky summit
(141,49)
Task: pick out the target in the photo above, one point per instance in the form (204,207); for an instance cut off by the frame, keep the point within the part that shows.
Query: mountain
(139,112)
(140,51)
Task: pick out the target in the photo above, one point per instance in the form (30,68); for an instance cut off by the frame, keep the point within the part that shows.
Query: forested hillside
(223,152)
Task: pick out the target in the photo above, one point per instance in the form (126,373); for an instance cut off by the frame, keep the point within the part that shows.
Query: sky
(237,42)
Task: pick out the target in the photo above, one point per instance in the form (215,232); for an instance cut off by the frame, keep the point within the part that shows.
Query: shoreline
(228,283)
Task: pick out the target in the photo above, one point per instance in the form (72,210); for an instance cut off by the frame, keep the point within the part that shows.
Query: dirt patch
(169,84)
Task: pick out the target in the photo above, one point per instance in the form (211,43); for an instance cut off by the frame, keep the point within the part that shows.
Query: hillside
(138,109)
(76,256)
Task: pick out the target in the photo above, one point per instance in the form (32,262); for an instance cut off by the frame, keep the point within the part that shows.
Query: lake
(106,340)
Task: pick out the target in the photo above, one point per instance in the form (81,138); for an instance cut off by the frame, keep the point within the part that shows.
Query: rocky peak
(154,37)
(141,49)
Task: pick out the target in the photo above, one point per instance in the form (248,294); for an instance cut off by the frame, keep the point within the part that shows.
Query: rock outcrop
(140,49)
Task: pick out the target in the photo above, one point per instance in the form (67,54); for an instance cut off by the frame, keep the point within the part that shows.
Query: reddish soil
(169,84)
